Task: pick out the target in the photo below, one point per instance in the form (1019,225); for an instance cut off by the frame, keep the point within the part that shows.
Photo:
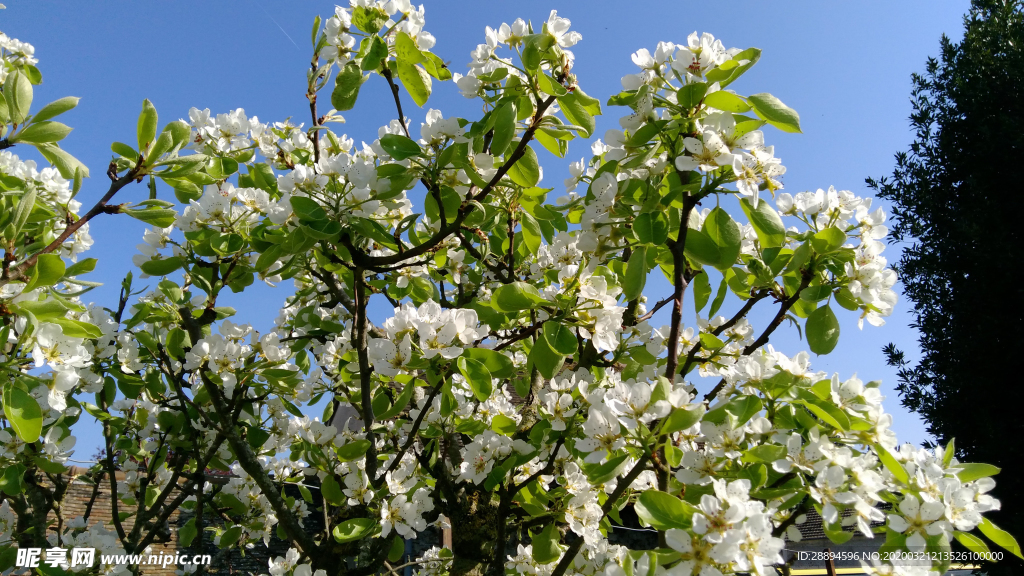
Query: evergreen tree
(953,197)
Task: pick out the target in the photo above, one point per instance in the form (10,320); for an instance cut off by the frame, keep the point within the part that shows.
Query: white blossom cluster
(521,362)
(14,53)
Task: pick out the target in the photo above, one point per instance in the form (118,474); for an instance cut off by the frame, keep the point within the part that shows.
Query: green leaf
(435,66)
(710,341)
(719,297)
(184,165)
(971,542)
(531,232)
(701,248)
(478,377)
(690,95)
(727,101)
(602,473)
(971,472)
(49,269)
(400,403)
(771,109)
(503,425)
(726,234)
(125,151)
(164,143)
(159,217)
(346,87)
(827,240)
(771,233)
(545,544)
(177,341)
(65,163)
(547,361)
(559,338)
(331,491)
(683,418)
(397,544)
(701,291)
(230,537)
(515,297)
(400,147)
(575,110)
(376,54)
(307,208)
(42,132)
(416,81)
(161,266)
(220,168)
(369,19)
(77,328)
(822,330)
(891,464)
(146,128)
(651,228)
(526,171)
(765,453)
(645,133)
(11,482)
(950,452)
(499,365)
(44,310)
(352,450)
(26,204)
(55,108)
(504,128)
(636,274)
(187,533)
(18,93)
(83,266)
(1000,537)
(548,85)
(23,413)
(828,412)
(664,511)
(355,529)
(725,76)
(815,293)
(533,47)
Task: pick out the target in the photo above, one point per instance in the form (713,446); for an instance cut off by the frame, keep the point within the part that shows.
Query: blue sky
(845,67)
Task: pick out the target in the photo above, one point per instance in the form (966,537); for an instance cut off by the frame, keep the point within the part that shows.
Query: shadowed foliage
(953,197)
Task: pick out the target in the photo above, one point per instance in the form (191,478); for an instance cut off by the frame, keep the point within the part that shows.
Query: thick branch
(365,374)
(251,464)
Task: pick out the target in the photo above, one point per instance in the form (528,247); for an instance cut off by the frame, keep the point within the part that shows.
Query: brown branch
(521,335)
(365,373)
(787,303)
(411,439)
(372,262)
(249,462)
(613,499)
(729,324)
(386,72)
(679,282)
(101,207)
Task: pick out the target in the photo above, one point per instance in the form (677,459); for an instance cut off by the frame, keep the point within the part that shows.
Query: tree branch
(101,207)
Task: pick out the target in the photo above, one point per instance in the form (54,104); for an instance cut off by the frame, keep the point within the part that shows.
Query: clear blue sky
(844,66)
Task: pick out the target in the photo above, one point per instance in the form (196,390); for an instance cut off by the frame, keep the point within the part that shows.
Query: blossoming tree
(518,390)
